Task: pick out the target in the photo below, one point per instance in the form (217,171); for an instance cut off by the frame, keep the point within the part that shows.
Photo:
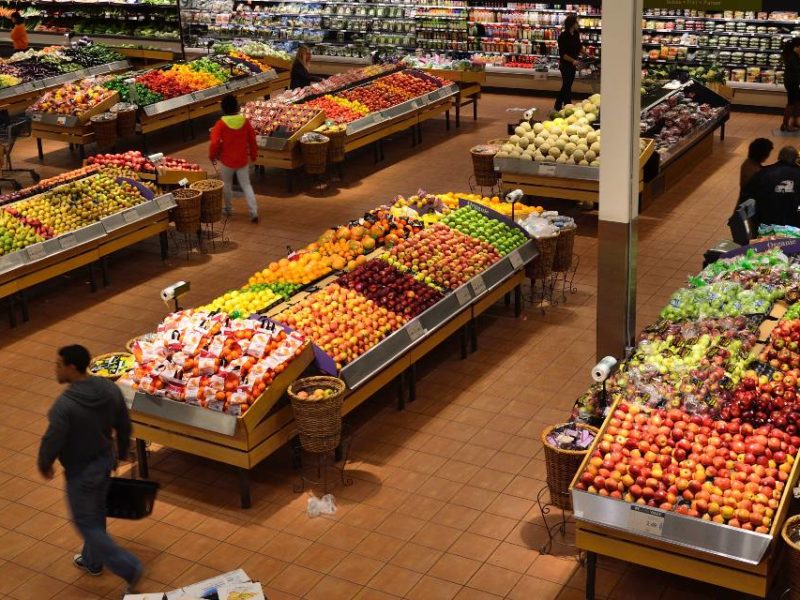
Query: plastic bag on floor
(321,506)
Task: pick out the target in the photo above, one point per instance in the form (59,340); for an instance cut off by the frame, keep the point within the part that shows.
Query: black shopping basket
(130,498)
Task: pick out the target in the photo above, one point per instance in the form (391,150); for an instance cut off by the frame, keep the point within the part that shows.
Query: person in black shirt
(300,77)
(791,81)
(569,49)
(776,190)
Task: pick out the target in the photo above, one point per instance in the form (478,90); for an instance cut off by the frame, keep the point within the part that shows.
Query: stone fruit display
(73,205)
(502,237)
(380,94)
(702,420)
(211,361)
(390,288)
(135,161)
(443,256)
(15,234)
(342,322)
(73,98)
(722,471)
(520,210)
(335,82)
(267,117)
(48,184)
(675,118)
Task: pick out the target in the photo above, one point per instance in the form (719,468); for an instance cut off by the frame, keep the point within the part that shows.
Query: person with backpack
(233,145)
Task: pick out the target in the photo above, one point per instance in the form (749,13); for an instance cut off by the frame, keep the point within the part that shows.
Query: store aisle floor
(443,503)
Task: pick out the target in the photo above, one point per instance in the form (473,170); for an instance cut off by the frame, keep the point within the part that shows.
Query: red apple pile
(726,472)
(389,288)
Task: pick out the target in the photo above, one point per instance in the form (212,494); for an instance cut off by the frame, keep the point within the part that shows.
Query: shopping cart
(590,73)
(11,129)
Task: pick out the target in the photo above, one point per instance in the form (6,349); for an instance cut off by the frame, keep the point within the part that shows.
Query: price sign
(36,252)
(415,330)
(515,259)
(462,295)
(130,216)
(183,182)
(62,121)
(478,285)
(548,170)
(646,520)
(36,117)
(164,202)
(68,241)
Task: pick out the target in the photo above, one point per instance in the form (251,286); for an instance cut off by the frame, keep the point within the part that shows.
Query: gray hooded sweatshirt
(80,427)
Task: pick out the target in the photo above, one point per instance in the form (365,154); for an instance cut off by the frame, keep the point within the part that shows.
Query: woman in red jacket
(233,143)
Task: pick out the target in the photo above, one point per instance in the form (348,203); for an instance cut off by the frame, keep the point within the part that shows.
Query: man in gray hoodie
(80,437)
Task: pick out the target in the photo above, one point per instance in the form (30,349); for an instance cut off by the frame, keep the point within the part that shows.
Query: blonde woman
(300,69)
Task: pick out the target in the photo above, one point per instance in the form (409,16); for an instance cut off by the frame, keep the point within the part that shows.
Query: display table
(17,98)
(564,182)
(469,88)
(245,441)
(84,247)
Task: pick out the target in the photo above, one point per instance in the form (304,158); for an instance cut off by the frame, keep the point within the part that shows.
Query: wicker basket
(561,467)
(315,156)
(187,213)
(126,118)
(336,147)
(541,266)
(792,557)
(562,261)
(483,164)
(319,422)
(105,129)
(211,201)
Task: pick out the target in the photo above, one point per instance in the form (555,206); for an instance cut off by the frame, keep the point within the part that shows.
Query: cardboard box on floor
(235,585)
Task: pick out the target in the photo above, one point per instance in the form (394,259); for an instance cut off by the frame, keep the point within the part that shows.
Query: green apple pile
(502,237)
(720,299)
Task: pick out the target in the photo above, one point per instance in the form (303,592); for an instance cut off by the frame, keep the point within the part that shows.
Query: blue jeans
(87,488)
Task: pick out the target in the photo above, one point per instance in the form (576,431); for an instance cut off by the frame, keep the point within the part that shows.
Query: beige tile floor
(443,500)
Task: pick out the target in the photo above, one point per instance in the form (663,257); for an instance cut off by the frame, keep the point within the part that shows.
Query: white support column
(619,175)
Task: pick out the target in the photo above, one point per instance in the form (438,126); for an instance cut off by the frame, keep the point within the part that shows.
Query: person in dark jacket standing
(791,81)
(569,49)
(79,435)
(757,154)
(776,190)
(300,75)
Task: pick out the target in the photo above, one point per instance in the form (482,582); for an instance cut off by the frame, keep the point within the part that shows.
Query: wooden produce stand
(241,442)
(205,102)
(564,182)
(18,98)
(84,247)
(284,153)
(269,423)
(75,130)
(469,88)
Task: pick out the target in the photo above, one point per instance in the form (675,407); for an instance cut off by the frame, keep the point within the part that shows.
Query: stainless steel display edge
(84,235)
(545,169)
(186,414)
(407,337)
(688,532)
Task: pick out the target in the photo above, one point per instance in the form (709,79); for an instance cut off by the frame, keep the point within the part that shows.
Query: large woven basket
(561,467)
(315,156)
(126,119)
(483,164)
(336,147)
(541,266)
(187,214)
(792,557)
(319,422)
(564,250)
(105,129)
(211,201)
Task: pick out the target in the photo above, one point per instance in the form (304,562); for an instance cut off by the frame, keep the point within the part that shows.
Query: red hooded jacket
(233,142)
